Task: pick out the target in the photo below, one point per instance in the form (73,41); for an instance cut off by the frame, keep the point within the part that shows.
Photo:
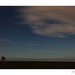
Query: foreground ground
(36,65)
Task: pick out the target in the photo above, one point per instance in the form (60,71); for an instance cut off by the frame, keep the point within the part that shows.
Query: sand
(37,65)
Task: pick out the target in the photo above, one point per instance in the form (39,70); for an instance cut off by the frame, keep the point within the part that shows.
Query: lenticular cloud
(42,19)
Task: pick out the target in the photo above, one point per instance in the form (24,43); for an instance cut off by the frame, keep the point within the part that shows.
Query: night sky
(34,32)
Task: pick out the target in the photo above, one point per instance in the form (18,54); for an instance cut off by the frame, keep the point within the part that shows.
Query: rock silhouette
(2,58)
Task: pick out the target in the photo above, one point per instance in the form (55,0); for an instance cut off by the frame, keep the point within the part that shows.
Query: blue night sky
(35,32)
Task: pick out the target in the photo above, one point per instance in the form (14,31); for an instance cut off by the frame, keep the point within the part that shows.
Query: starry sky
(37,32)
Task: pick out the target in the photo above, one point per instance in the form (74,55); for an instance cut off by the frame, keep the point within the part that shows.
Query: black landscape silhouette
(37,65)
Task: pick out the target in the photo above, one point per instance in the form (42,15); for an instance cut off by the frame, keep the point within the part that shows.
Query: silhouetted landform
(2,58)
(36,65)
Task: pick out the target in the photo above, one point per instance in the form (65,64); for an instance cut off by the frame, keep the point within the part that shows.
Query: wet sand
(37,64)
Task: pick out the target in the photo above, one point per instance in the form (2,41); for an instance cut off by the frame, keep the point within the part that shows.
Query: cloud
(48,51)
(42,18)
(34,44)
(4,40)
(41,50)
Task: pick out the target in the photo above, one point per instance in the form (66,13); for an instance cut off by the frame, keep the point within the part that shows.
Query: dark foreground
(36,65)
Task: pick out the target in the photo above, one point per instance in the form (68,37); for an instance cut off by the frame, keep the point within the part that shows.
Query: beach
(37,64)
